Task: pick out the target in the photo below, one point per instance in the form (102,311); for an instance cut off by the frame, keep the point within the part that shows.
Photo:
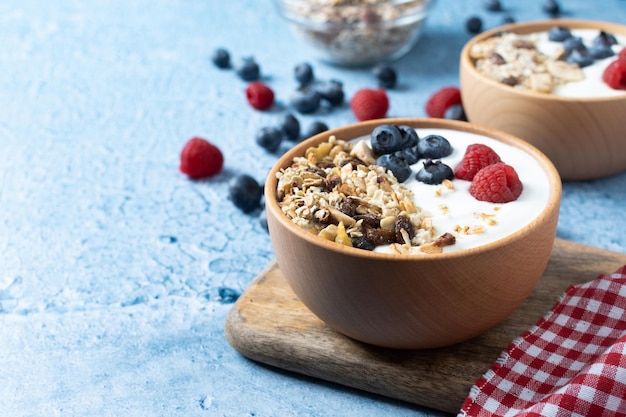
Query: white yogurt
(459,208)
(592,85)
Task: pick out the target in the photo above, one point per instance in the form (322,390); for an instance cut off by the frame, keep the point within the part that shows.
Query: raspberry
(622,55)
(477,156)
(200,158)
(441,100)
(260,96)
(496,183)
(368,104)
(615,74)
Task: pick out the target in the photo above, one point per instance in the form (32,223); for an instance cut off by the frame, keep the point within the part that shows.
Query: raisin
(446,239)
(347,207)
(403,223)
(361,242)
(380,236)
(332,181)
(369,220)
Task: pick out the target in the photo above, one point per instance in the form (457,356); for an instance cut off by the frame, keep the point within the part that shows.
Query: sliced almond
(565,71)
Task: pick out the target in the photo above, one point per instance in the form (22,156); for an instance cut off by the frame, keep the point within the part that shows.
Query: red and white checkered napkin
(571,363)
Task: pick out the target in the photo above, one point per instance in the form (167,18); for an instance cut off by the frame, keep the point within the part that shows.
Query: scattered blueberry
(434,172)
(227,295)
(386,139)
(434,147)
(245,192)
(332,92)
(290,127)
(269,138)
(455,112)
(551,7)
(398,166)
(305,100)
(409,136)
(492,5)
(315,128)
(221,58)
(361,242)
(474,24)
(248,69)
(263,219)
(508,19)
(303,73)
(559,33)
(386,75)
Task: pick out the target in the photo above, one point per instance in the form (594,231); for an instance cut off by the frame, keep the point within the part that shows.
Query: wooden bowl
(584,137)
(412,301)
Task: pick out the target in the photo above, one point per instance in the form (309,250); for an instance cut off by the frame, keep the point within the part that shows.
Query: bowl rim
(363,128)
(467,63)
(420,11)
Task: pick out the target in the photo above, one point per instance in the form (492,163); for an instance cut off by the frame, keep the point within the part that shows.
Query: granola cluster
(358,31)
(515,60)
(337,192)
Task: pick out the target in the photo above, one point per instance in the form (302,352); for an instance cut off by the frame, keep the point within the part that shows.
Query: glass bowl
(357,33)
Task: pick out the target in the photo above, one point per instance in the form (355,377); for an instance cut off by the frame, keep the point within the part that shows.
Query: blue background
(111,260)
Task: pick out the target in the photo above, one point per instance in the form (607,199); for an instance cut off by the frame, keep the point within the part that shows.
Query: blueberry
(604,39)
(332,92)
(410,155)
(508,19)
(315,128)
(227,295)
(248,69)
(559,33)
(386,75)
(434,172)
(474,24)
(303,73)
(269,138)
(581,57)
(492,5)
(409,136)
(386,139)
(601,52)
(398,166)
(361,242)
(245,192)
(221,58)
(573,43)
(305,100)
(290,127)
(434,147)
(455,112)
(551,7)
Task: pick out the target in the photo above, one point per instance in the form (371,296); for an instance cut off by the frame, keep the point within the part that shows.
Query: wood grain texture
(270,325)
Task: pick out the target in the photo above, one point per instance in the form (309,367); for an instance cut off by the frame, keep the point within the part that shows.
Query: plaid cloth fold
(571,363)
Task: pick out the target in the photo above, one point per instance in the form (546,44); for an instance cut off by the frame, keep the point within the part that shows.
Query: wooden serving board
(269,324)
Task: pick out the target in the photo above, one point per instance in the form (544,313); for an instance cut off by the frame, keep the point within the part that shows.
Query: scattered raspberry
(622,55)
(496,183)
(200,158)
(442,100)
(259,95)
(368,104)
(615,74)
(477,156)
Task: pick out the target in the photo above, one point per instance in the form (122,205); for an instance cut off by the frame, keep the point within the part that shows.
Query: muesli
(336,192)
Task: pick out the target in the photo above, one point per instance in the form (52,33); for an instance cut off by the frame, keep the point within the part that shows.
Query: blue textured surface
(111,261)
